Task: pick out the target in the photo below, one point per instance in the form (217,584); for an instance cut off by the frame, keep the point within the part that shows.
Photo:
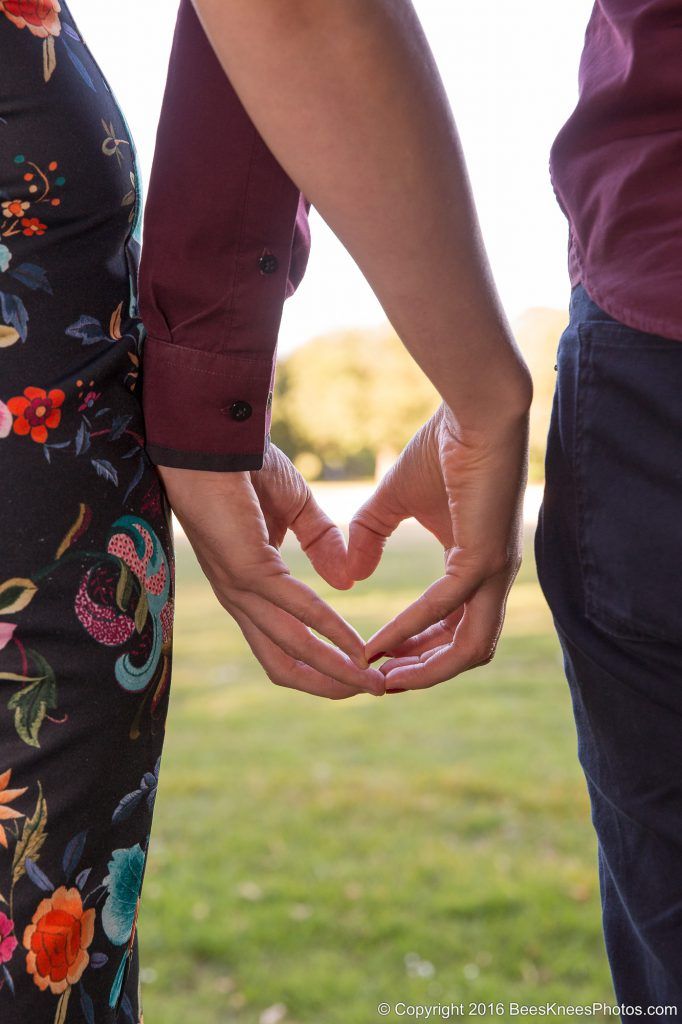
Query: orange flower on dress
(41,17)
(36,411)
(15,208)
(32,225)
(6,795)
(57,940)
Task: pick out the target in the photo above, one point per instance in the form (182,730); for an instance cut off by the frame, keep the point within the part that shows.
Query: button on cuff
(190,398)
(239,410)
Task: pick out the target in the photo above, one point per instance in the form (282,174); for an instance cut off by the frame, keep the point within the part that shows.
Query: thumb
(323,543)
(371,526)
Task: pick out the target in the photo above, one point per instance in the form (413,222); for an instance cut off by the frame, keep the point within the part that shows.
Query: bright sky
(511,74)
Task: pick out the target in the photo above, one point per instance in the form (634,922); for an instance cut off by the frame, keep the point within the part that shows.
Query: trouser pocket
(627,466)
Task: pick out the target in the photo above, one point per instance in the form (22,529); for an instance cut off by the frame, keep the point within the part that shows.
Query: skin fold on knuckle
(316,652)
(319,616)
(322,529)
(245,577)
(479,653)
(278,678)
(263,581)
(366,519)
(438,607)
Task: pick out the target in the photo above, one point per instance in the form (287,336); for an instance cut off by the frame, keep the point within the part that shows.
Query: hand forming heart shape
(465,489)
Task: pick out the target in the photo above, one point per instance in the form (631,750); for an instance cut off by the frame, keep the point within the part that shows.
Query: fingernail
(395,689)
(375,657)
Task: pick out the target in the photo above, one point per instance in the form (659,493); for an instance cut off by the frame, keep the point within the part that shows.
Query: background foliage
(347,403)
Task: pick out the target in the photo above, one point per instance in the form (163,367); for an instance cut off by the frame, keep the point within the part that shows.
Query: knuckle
(483,653)
(253,578)
(278,680)
(505,563)
(486,658)
(438,607)
(515,562)
(293,651)
(301,508)
(307,607)
(317,611)
(477,566)
(368,518)
(222,581)
(470,652)
(494,564)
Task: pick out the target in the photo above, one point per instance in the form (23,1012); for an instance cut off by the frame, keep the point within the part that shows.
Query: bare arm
(347,95)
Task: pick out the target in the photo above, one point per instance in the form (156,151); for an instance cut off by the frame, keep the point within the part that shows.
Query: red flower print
(40,17)
(31,225)
(58,938)
(14,208)
(36,411)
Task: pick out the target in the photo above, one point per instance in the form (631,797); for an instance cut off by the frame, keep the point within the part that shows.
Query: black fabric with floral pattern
(86,559)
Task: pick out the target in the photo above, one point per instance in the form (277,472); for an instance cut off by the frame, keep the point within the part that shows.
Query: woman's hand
(467,489)
(236,523)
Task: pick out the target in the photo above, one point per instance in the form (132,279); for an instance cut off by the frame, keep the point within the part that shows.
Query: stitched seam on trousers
(582,377)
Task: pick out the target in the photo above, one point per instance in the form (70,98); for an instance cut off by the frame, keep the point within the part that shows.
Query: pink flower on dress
(6,632)
(5,420)
(89,400)
(8,942)
(123,546)
(97,610)
(167,621)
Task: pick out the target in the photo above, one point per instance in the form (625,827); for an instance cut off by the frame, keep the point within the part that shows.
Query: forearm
(347,96)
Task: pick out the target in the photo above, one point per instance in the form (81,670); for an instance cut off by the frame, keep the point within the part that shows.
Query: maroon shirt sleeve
(225,242)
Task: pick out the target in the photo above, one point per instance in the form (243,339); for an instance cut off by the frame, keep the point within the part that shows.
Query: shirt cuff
(206,410)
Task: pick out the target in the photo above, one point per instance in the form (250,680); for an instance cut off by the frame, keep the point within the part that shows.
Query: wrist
(498,402)
(198,481)
(487,425)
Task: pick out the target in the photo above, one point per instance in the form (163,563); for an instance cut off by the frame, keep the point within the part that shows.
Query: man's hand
(348,98)
(467,489)
(236,523)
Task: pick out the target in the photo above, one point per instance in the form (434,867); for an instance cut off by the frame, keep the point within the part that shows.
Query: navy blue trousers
(609,555)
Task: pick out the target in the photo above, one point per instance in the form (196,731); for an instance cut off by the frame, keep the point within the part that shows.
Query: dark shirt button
(268,263)
(240,410)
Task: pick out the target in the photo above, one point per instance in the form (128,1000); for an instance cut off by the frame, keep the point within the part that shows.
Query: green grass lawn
(313,858)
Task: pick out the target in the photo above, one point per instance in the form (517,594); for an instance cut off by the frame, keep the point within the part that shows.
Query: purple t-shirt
(616,165)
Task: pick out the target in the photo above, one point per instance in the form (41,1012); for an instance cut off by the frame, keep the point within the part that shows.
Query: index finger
(301,601)
(473,644)
(437,602)
(284,670)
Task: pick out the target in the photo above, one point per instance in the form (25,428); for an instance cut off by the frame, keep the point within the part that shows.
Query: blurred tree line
(346,403)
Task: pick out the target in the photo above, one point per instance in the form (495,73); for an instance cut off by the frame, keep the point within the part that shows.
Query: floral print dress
(86,563)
